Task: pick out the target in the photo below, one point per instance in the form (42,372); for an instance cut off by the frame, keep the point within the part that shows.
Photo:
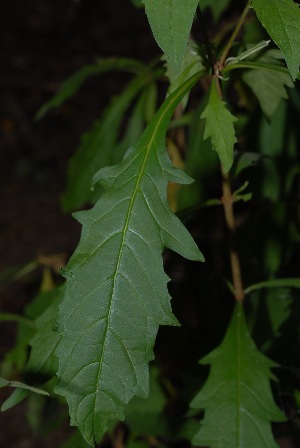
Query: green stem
(233,36)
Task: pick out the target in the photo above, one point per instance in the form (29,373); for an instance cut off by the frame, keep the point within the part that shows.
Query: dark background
(43,42)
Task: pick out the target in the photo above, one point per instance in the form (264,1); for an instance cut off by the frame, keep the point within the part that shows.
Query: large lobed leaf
(171,22)
(219,127)
(237,397)
(281,18)
(116,293)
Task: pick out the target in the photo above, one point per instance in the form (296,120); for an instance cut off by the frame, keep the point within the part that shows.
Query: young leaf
(237,397)
(219,127)
(281,18)
(268,86)
(171,22)
(20,385)
(116,294)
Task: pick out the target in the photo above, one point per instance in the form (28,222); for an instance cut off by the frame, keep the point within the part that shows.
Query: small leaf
(15,398)
(116,291)
(171,22)
(4,382)
(281,18)
(268,86)
(219,127)
(237,397)
(275,283)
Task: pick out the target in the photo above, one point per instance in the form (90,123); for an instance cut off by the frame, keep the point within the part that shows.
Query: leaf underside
(219,127)
(268,86)
(281,18)
(116,293)
(237,397)
(171,22)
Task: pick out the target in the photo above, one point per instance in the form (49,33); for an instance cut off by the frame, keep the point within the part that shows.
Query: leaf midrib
(125,230)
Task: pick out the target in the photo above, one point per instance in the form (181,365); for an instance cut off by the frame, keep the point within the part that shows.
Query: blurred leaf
(245,160)
(11,317)
(16,358)
(271,308)
(145,416)
(42,359)
(219,127)
(74,82)
(98,148)
(76,441)
(15,398)
(237,398)
(137,3)
(171,23)
(268,86)
(18,384)
(275,283)
(216,6)
(281,18)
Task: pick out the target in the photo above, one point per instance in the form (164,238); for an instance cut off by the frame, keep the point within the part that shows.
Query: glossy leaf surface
(237,397)
(116,293)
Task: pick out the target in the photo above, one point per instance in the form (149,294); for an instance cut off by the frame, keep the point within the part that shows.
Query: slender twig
(205,39)
(233,36)
(228,200)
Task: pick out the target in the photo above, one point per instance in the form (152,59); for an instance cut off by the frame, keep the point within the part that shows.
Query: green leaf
(219,127)
(116,293)
(171,22)
(192,63)
(237,397)
(4,382)
(42,359)
(74,82)
(281,18)
(15,398)
(275,283)
(268,86)
(145,416)
(97,147)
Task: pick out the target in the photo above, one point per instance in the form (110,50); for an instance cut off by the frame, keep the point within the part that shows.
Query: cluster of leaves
(98,332)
